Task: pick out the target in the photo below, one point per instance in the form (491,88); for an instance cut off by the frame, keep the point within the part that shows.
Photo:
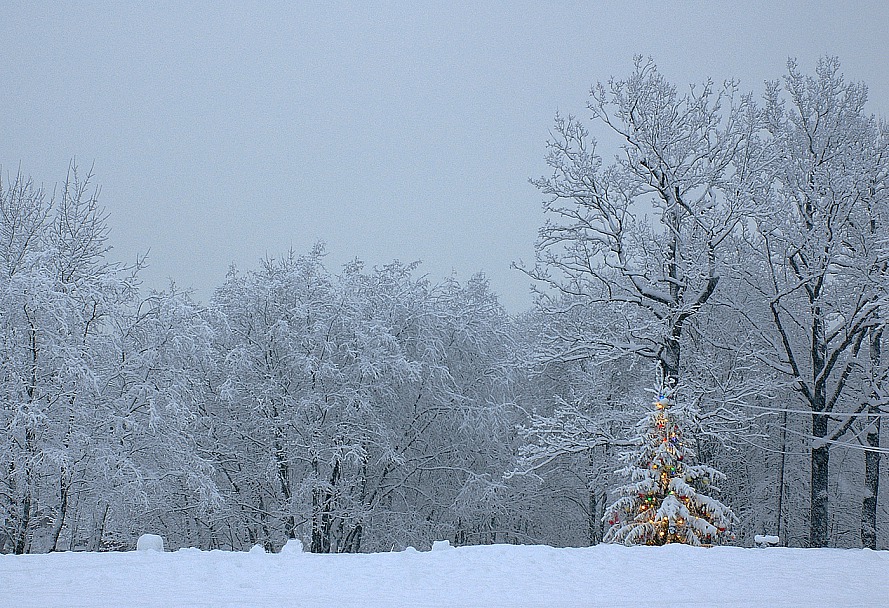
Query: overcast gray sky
(225,132)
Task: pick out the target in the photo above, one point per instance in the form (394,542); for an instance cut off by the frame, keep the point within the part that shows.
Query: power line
(777,410)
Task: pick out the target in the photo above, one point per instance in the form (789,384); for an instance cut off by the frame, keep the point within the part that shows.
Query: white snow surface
(490,576)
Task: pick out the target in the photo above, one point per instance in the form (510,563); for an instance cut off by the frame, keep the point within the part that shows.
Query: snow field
(495,576)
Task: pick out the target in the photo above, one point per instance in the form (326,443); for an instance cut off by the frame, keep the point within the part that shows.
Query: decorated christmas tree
(665,501)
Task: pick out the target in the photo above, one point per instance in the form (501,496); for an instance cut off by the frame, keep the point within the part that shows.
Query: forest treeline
(735,247)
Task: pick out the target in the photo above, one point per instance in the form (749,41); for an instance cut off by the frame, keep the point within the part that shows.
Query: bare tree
(826,272)
(643,234)
(633,250)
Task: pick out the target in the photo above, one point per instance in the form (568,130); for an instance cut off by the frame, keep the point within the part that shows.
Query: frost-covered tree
(357,410)
(634,248)
(643,234)
(152,397)
(577,417)
(666,499)
(92,429)
(823,261)
(59,300)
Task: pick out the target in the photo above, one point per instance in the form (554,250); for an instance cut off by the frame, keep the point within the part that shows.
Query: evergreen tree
(664,500)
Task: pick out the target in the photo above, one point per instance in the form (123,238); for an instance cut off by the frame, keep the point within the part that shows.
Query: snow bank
(498,575)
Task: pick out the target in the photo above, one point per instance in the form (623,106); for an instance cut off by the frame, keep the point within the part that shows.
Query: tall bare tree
(826,270)
(643,234)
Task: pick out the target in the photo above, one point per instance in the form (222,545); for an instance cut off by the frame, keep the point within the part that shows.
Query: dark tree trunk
(322,513)
(871,487)
(317,534)
(669,358)
(594,527)
(63,510)
(819,489)
(872,456)
(22,539)
(283,472)
(595,506)
(352,542)
(20,543)
(95,543)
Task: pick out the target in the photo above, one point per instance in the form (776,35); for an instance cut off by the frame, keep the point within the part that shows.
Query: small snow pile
(294,545)
(150,542)
(441,545)
(257,550)
(766,540)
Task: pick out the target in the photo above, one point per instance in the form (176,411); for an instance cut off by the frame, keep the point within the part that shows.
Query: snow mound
(294,545)
(150,542)
(441,545)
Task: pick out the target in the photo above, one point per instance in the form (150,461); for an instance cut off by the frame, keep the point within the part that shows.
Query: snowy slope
(499,575)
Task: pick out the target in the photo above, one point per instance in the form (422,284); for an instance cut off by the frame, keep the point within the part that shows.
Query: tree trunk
(352,541)
(59,523)
(819,489)
(669,357)
(781,466)
(872,456)
(22,538)
(283,473)
(95,541)
(322,516)
(317,545)
(20,543)
(593,525)
(594,519)
(871,487)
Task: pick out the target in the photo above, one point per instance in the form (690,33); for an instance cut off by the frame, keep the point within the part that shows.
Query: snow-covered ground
(498,575)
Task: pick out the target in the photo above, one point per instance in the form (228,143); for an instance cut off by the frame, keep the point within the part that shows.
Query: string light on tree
(663,501)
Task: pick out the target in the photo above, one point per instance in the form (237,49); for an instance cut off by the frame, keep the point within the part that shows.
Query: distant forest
(735,250)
